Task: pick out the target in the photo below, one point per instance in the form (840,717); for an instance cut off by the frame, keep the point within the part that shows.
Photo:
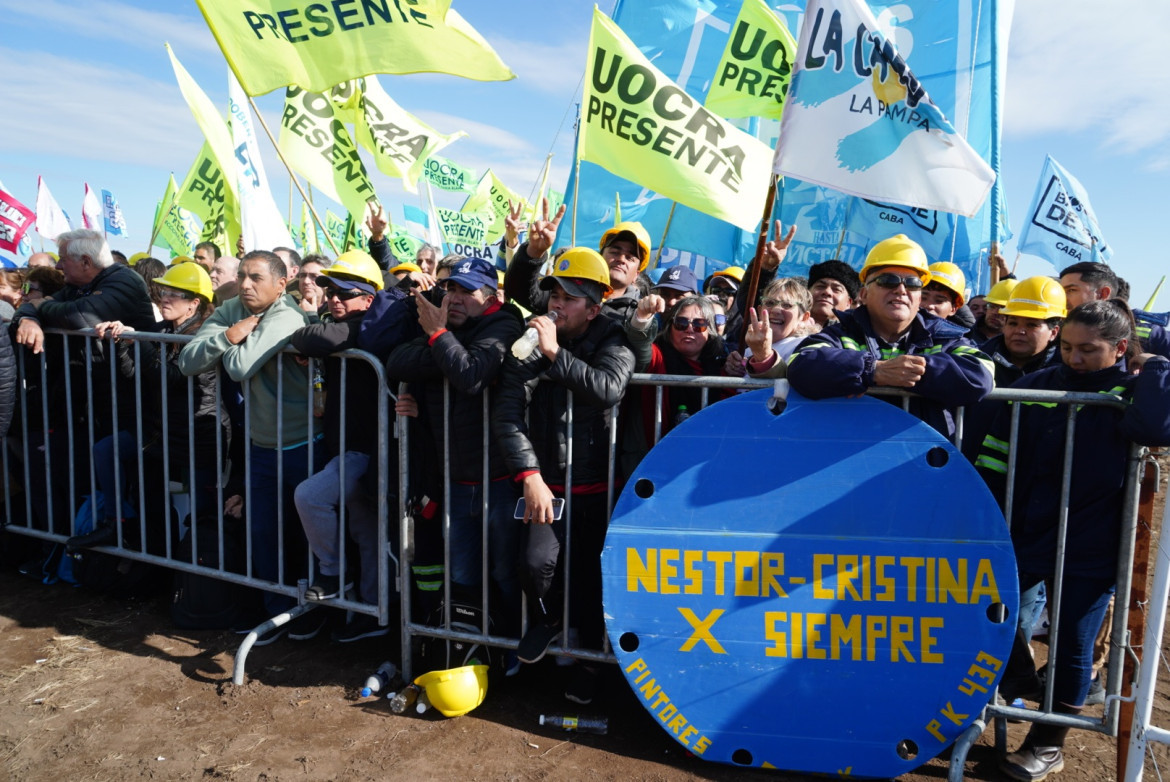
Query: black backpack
(204,602)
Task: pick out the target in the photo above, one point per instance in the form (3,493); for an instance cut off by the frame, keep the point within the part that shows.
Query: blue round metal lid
(829,590)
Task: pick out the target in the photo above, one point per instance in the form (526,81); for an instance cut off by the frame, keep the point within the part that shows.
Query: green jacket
(255,359)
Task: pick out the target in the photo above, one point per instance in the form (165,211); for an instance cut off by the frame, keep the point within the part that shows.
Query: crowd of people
(513,441)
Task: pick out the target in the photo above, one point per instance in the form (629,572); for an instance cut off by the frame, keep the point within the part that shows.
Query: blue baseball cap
(679,278)
(473,274)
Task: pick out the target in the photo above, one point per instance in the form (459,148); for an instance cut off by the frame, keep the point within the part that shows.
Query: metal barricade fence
(53,487)
(57,468)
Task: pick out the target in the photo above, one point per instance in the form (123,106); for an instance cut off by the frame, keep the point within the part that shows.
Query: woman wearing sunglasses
(886,342)
(688,345)
(185,295)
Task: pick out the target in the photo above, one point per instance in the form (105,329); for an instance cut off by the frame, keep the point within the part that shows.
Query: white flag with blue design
(1061,226)
(115,222)
(418,224)
(859,121)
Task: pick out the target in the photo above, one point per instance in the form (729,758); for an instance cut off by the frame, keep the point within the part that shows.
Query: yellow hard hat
(356,265)
(1001,292)
(1037,297)
(898,250)
(190,277)
(405,266)
(734,272)
(135,258)
(950,277)
(456,691)
(641,237)
(574,269)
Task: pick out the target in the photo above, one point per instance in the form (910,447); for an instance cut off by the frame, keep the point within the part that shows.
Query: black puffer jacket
(595,367)
(469,357)
(7,381)
(322,340)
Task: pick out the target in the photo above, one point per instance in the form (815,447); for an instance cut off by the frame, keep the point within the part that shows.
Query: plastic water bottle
(379,679)
(423,703)
(572,722)
(405,699)
(523,347)
(681,415)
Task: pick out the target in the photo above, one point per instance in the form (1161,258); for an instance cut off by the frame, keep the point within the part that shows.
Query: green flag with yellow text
(753,76)
(638,124)
(276,43)
(446,174)
(490,201)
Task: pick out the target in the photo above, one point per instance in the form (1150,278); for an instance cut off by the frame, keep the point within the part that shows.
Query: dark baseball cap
(473,274)
(575,286)
(679,278)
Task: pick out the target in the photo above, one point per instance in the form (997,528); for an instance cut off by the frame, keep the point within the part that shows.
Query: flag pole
(280,154)
(754,282)
(665,231)
(1154,297)
(576,191)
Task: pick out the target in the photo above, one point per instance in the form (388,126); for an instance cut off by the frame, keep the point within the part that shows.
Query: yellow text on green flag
(317,145)
(640,125)
(399,141)
(276,43)
(753,75)
(460,228)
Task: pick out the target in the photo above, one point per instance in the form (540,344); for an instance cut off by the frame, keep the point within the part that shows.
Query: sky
(90,97)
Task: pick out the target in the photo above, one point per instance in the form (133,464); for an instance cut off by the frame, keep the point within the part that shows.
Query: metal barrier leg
(250,639)
(962,746)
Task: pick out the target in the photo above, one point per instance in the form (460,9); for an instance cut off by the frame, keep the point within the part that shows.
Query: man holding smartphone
(577,374)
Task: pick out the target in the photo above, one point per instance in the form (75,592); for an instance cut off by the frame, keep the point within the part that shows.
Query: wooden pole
(761,240)
(1136,613)
(301,190)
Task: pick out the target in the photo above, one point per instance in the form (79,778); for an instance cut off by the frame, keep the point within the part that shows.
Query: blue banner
(1061,227)
(949,45)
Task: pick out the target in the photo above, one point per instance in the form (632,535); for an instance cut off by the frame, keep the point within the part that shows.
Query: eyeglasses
(682,324)
(344,295)
(891,281)
(782,304)
(172,293)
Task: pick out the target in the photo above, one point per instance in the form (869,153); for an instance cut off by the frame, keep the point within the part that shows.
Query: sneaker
(582,686)
(511,664)
(360,627)
(307,626)
(1031,764)
(326,588)
(1096,694)
(101,536)
(536,642)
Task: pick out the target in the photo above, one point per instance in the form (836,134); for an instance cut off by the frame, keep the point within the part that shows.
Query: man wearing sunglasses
(465,338)
(887,342)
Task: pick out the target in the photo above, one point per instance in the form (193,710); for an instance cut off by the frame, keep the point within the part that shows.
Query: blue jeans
(1082,608)
(267,496)
(503,530)
(103,468)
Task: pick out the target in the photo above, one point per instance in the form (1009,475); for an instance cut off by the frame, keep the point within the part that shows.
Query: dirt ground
(97,689)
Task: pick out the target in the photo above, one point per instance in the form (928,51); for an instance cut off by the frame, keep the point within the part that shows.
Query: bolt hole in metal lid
(828,590)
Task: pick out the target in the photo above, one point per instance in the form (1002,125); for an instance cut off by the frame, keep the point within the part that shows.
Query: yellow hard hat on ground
(456,691)
(898,250)
(636,232)
(1037,297)
(190,277)
(951,277)
(580,272)
(1001,292)
(355,265)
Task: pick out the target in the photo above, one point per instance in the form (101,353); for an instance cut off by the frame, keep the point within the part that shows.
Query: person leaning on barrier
(888,342)
(1094,342)
(1027,344)
(349,286)
(582,359)
(96,290)
(245,336)
(185,303)
(464,343)
(1090,281)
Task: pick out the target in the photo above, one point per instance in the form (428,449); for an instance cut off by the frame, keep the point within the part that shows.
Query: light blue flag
(685,39)
(115,223)
(1061,226)
(417,222)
